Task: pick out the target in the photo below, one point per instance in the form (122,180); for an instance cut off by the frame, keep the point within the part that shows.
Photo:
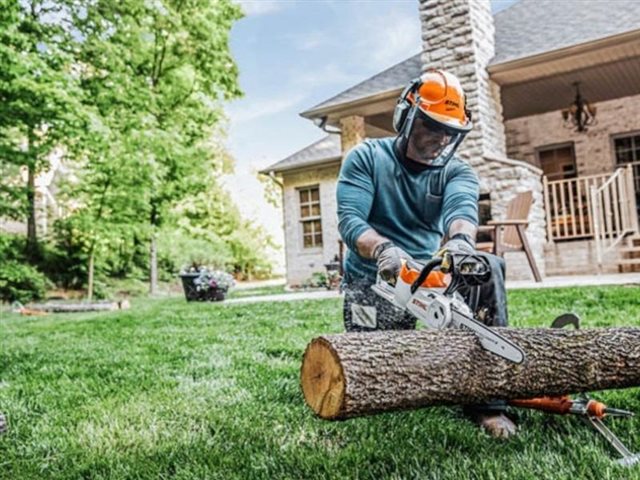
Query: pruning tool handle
(560,405)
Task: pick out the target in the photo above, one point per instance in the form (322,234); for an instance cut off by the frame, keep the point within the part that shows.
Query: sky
(292,55)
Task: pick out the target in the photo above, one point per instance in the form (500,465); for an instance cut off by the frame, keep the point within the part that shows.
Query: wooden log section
(353,374)
(77,307)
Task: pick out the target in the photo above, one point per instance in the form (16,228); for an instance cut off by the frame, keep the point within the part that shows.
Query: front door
(558,163)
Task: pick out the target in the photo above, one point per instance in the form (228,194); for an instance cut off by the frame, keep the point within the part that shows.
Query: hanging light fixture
(580,113)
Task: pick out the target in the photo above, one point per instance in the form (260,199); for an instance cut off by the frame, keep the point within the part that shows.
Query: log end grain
(322,379)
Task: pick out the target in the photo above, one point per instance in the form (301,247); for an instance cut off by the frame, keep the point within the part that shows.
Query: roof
(531,27)
(526,28)
(324,150)
(392,78)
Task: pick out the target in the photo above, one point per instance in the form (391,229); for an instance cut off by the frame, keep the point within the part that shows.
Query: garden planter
(193,293)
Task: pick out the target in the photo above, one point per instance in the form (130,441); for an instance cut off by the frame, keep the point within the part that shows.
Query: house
(534,74)
(47,208)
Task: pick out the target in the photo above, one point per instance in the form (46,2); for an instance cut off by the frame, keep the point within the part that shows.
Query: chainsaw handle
(424,273)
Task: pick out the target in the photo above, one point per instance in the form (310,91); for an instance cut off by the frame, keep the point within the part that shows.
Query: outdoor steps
(630,255)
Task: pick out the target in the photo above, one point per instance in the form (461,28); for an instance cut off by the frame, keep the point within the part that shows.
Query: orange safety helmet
(435,104)
(441,97)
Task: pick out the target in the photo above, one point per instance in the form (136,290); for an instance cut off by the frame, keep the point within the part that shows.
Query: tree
(106,198)
(158,72)
(38,99)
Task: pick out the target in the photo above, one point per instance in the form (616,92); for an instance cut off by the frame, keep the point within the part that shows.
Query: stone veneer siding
(303,262)
(503,179)
(593,149)
(352,132)
(458,35)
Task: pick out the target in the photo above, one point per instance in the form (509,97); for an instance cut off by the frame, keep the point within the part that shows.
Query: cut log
(354,374)
(79,307)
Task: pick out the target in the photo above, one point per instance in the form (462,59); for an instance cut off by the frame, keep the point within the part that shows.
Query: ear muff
(403,106)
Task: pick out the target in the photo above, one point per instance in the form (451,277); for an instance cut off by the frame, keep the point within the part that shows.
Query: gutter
(325,111)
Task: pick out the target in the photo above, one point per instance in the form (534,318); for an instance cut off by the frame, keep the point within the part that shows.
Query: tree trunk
(354,374)
(78,307)
(32,240)
(153,267)
(92,257)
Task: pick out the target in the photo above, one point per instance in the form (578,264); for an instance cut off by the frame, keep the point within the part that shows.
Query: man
(397,199)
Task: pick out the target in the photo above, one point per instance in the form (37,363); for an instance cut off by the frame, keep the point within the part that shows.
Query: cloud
(328,74)
(311,40)
(262,7)
(387,38)
(247,110)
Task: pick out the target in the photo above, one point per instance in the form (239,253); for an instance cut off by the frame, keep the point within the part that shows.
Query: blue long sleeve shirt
(414,210)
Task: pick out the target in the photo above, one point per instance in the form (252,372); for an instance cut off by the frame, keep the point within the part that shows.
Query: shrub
(317,280)
(21,282)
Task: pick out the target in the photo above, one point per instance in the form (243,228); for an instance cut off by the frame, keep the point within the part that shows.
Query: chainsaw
(423,290)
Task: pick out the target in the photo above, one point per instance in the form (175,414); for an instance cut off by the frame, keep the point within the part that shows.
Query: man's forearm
(463,226)
(368,241)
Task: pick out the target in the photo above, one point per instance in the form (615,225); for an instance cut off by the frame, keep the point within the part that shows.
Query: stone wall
(303,262)
(578,258)
(504,179)
(593,149)
(352,132)
(458,35)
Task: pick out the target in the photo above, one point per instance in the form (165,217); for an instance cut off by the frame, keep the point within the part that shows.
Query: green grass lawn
(257,291)
(211,391)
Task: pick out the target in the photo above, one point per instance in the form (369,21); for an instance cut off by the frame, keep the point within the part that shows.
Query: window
(558,162)
(627,148)
(310,217)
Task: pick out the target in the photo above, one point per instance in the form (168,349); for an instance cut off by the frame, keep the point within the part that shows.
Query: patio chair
(509,235)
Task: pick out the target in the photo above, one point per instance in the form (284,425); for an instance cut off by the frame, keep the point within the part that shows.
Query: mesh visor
(431,142)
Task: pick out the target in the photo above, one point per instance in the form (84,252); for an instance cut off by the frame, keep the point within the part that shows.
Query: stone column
(352,132)
(458,35)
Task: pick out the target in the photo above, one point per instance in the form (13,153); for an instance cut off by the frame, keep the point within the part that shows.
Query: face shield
(430,142)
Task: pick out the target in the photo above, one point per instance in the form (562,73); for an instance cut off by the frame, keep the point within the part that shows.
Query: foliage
(317,280)
(130,94)
(212,210)
(177,248)
(157,73)
(39,104)
(190,390)
(272,190)
(18,281)
(21,282)
(209,278)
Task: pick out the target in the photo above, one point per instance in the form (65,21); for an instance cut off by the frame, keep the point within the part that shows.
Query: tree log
(79,307)
(354,374)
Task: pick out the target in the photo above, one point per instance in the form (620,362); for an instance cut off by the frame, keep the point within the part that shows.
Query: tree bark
(153,267)
(92,256)
(32,239)
(354,374)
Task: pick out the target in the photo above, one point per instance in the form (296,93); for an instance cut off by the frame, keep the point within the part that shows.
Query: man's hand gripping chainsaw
(418,289)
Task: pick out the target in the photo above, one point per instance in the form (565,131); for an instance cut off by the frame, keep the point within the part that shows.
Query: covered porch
(591,173)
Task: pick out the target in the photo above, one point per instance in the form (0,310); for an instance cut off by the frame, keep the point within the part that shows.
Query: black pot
(192,294)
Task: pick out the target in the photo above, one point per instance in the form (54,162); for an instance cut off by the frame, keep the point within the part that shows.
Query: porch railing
(569,212)
(614,211)
(569,206)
